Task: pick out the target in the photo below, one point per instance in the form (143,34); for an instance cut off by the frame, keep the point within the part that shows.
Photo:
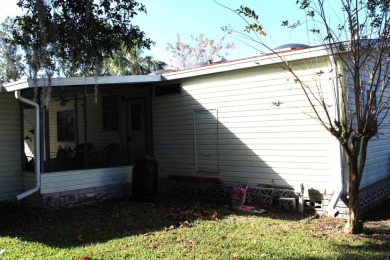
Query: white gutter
(37,148)
(263,60)
(331,210)
(82,81)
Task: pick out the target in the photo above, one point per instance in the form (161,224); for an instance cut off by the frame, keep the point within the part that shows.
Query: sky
(165,19)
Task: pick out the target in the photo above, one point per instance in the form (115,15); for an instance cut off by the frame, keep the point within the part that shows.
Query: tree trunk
(353,225)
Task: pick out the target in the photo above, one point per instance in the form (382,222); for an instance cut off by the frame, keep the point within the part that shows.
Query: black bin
(145,179)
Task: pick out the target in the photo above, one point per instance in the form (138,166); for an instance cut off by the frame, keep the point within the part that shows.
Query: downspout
(331,210)
(37,153)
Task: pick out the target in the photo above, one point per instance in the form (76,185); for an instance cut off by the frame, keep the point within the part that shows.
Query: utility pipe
(37,153)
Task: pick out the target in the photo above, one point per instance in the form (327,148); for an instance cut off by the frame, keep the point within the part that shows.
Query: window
(369,98)
(111,113)
(65,126)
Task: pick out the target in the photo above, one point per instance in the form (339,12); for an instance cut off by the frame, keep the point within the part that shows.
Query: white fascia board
(17,85)
(82,81)
(107,80)
(266,59)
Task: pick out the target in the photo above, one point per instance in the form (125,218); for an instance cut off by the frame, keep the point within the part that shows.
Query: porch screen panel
(65,126)
(206,140)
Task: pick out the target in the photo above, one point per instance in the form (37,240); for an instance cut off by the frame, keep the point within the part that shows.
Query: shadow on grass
(88,224)
(376,235)
(99,222)
(375,246)
(109,220)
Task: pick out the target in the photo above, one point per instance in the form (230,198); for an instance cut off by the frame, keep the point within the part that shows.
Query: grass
(133,230)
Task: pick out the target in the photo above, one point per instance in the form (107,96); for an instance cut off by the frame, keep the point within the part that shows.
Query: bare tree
(358,46)
(205,50)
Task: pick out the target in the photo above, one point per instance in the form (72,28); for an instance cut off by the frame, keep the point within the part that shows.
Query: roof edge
(265,59)
(81,81)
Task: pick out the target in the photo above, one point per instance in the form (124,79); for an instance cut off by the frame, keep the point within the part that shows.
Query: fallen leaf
(208,215)
(85,257)
(172,227)
(146,236)
(179,240)
(185,224)
(190,243)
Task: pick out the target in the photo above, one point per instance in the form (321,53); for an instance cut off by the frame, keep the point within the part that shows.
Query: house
(209,127)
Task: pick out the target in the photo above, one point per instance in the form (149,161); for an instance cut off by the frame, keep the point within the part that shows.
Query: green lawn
(129,230)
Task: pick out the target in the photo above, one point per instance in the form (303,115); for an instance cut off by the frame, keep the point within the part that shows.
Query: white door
(206,140)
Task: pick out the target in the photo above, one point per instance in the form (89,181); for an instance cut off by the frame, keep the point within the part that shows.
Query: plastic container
(145,179)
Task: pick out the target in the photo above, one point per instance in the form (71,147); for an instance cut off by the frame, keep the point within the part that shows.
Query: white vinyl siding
(29,180)
(82,179)
(266,130)
(377,167)
(10,148)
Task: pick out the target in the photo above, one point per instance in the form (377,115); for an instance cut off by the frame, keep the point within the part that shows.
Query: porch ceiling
(82,81)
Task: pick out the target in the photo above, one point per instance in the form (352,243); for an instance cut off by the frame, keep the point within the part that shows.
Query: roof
(265,59)
(226,66)
(81,81)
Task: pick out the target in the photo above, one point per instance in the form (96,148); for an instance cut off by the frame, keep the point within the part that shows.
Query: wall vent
(167,89)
